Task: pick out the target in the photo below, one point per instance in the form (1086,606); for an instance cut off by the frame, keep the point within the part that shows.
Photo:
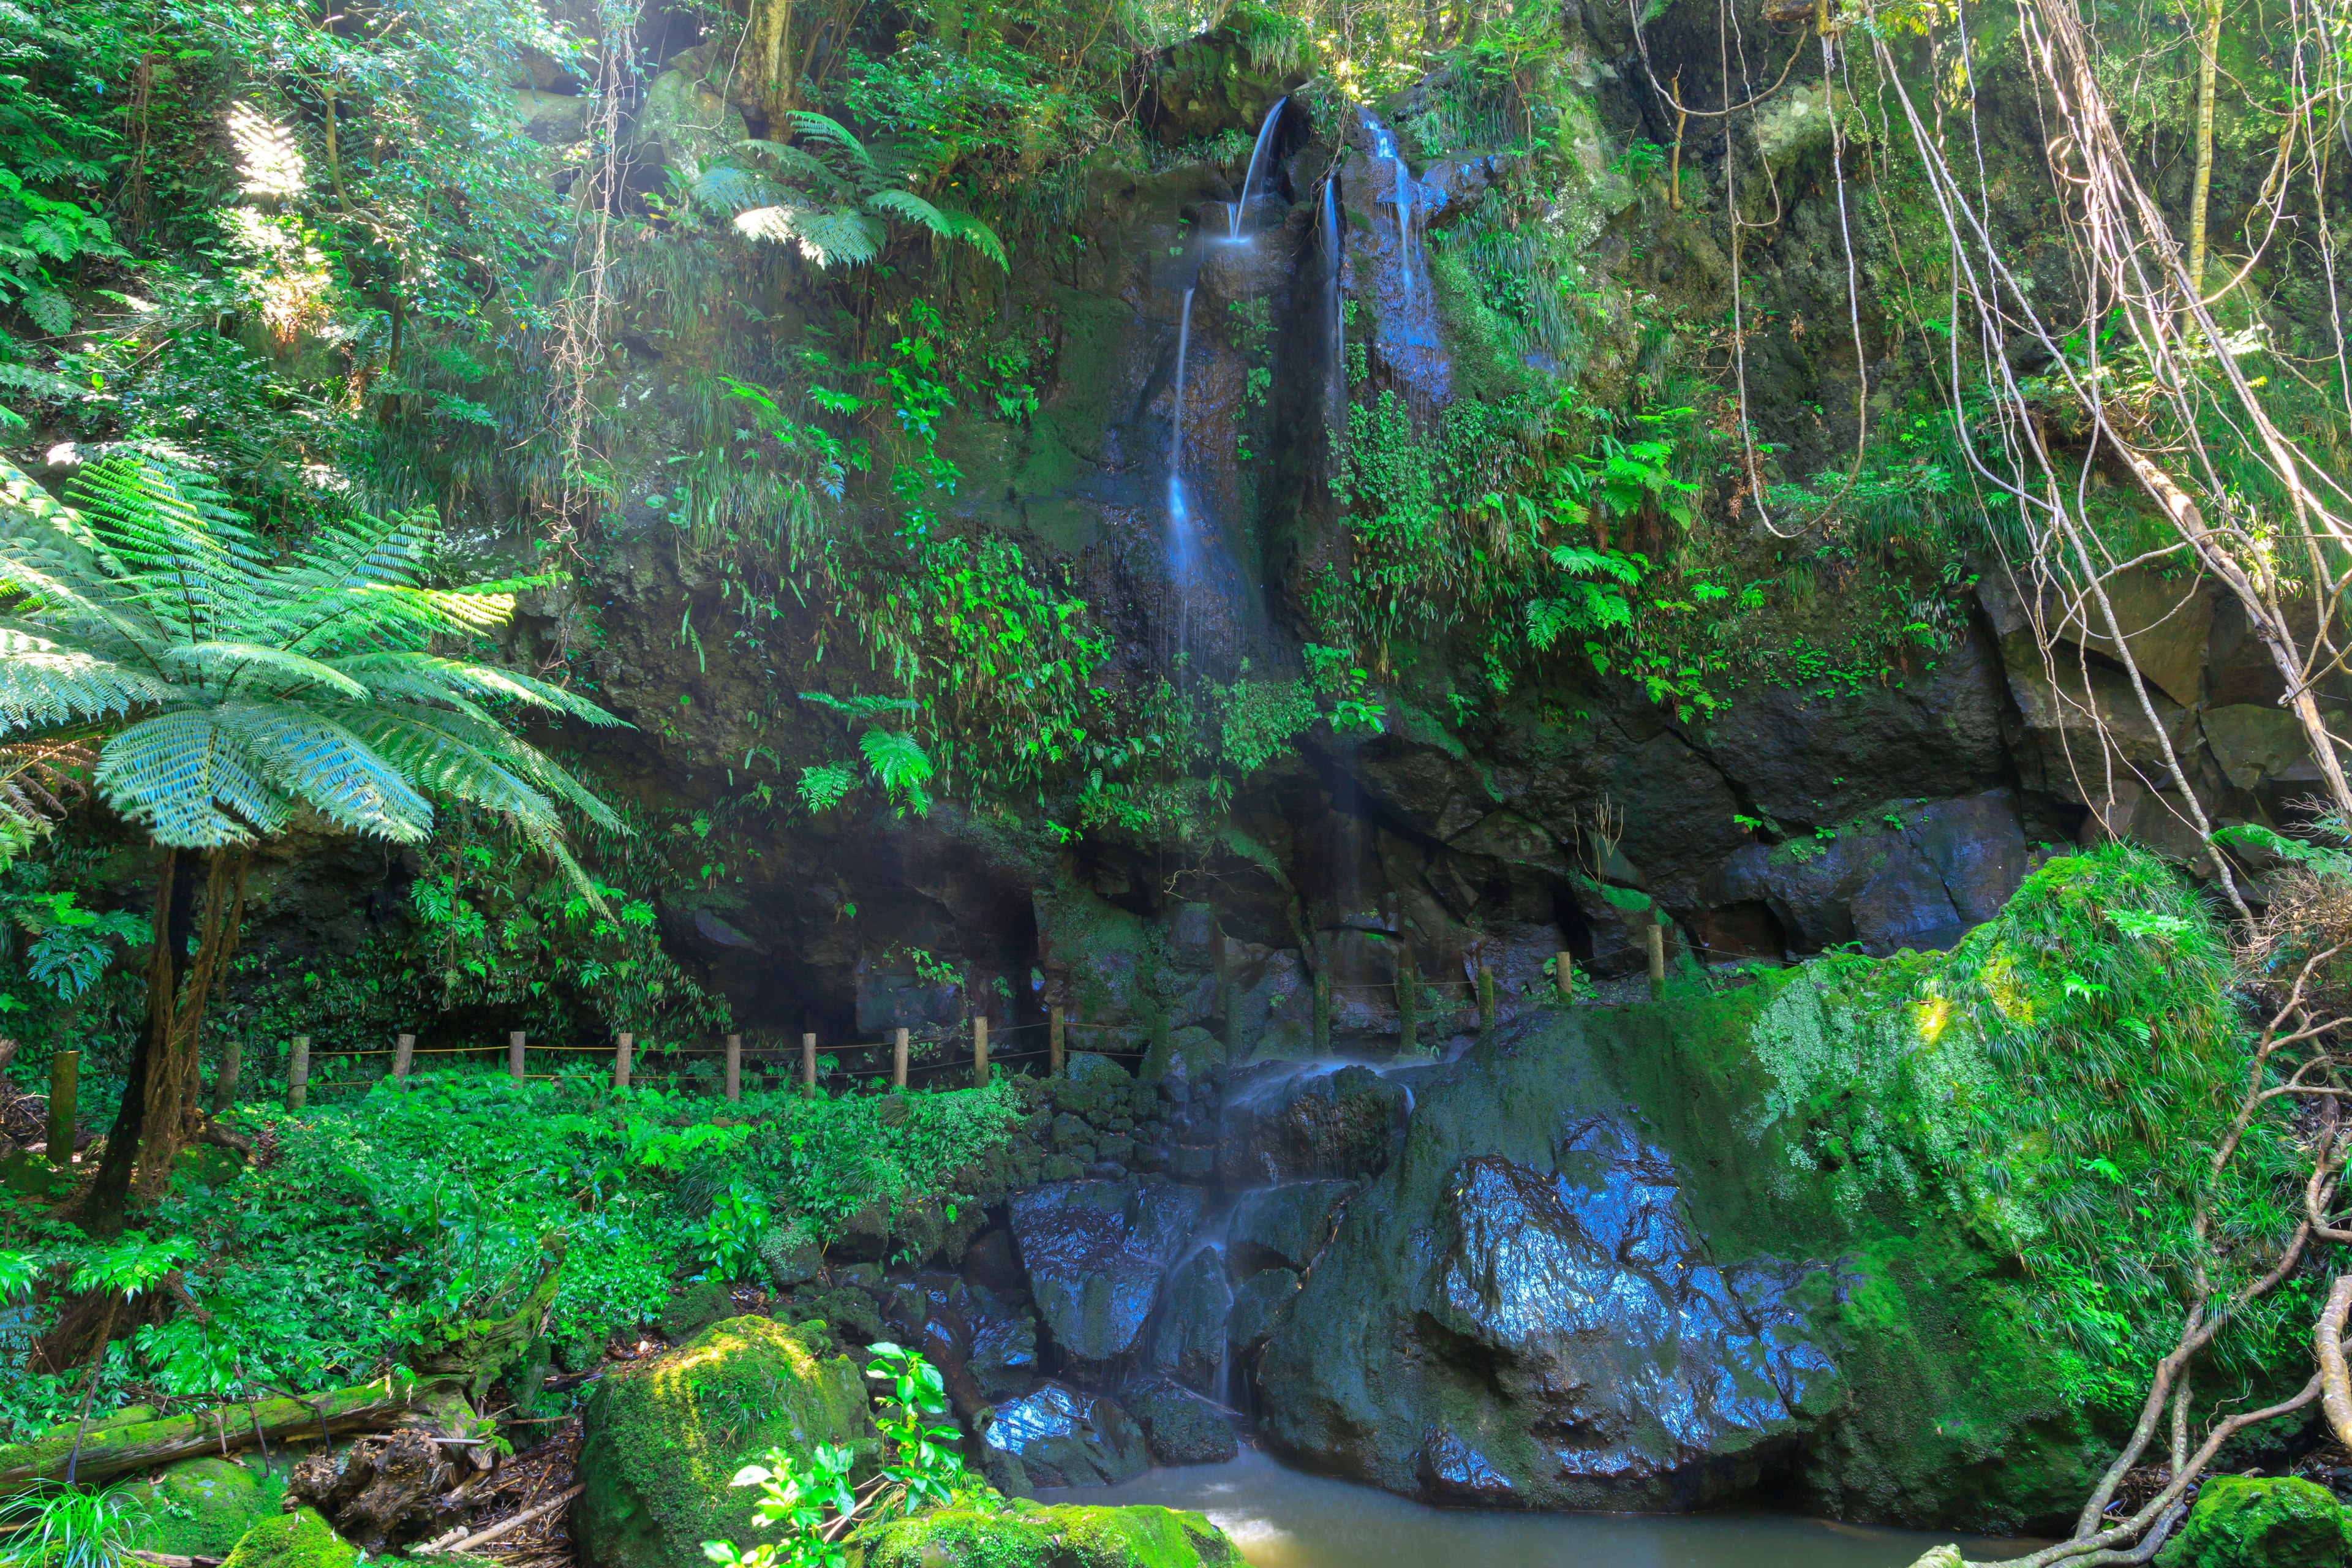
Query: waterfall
(1257,157)
(1384,145)
(1333,260)
(1178,521)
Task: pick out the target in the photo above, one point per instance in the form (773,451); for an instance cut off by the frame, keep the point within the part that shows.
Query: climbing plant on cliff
(227,693)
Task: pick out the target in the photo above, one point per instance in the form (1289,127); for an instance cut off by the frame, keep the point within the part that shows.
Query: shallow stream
(1282,1518)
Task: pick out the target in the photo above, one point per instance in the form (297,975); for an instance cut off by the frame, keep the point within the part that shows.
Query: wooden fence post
(621,1054)
(1486,1002)
(297,1073)
(734,1068)
(1054,1042)
(1656,935)
(979,1051)
(404,1057)
(225,1086)
(1563,976)
(898,1060)
(808,1066)
(517,1042)
(65,1082)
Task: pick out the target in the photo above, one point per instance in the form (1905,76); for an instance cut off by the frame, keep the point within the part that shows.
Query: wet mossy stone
(662,1438)
(2243,1522)
(1031,1535)
(300,1539)
(200,1508)
(694,1307)
(790,1255)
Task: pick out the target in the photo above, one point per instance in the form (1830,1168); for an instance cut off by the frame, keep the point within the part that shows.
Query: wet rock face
(1284,1227)
(1059,1436)
(1317,1125)
(1531,1321)
(1920,880)
(1188,1342)
(1095,1253)
(1606,1328)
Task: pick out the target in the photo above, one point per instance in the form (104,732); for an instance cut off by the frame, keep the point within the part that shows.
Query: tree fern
(229,690)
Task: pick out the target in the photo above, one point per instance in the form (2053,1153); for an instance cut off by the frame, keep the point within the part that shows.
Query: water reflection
(1282,1519)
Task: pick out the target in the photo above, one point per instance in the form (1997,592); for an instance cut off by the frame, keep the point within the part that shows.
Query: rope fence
(623,1054)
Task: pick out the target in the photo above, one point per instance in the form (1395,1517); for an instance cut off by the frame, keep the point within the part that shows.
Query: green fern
(831,196)
(228,690)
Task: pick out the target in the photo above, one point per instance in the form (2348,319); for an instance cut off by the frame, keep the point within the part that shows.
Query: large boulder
(1630,1368)
(199,1507)
(1584,1283)
(1095,1253)
(2243,1522)
(1029,1536)
(1061,1437)
(685,124)
(662,1438)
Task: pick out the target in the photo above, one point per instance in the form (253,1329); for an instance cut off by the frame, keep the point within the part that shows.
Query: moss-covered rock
(300,1540)
(2242,1522)
(694,1307)
(662,1439)
(201,1508)
(1031,1536)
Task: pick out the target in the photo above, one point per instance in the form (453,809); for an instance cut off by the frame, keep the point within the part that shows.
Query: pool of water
(1282,1518)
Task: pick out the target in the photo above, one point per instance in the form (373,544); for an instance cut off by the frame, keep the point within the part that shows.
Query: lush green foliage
(379,1222)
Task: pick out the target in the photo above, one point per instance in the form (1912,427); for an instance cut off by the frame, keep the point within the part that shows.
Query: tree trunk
(161,1113)
(778,86)
(2208,44)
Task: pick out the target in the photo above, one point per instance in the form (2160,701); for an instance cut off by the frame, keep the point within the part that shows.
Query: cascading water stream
(1180,522)
(1233,213)
(1333,261)
(1384,145)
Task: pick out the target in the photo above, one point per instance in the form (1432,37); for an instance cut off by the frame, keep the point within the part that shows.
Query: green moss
(202,1508)
(300,1540)
(2242,1522)
(662,1439)
(694,1307)
(1030,1536)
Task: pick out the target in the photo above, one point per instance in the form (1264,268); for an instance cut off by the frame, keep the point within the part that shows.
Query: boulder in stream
(1179,1425)
(1062,1537)
(1504,1334)
(1062,1437)
(1095,1253)
(2249,1522)
(662,1438)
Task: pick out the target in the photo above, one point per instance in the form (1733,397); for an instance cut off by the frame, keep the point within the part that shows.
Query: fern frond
(429,678)
(823,128)
(189,572)
(190,785)
(327,767)
(227,663)
(42,684)
(476,760)
(947,224)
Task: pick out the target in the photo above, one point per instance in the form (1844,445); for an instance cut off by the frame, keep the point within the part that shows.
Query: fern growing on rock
(228,689)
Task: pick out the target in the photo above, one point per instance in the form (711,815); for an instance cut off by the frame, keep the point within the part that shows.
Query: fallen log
(122,1447)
